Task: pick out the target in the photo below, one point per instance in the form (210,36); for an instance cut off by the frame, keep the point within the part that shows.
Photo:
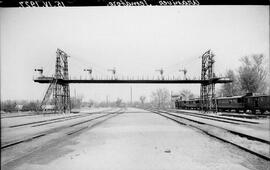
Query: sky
(134,40)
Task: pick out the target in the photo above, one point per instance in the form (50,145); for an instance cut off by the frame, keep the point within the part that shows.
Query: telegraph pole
(130,95)
(269,76)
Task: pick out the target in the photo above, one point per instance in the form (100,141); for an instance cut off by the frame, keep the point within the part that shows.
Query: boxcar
(187,104)
(236,103)
(193,104)
(190,104)
(231,103)
(257,103)
(179,104)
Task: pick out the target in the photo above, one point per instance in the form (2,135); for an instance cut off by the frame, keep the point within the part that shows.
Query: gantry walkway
(135,81)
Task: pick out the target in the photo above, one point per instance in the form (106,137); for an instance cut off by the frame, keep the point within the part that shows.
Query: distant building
(19,107)
(175,97)
(48,107)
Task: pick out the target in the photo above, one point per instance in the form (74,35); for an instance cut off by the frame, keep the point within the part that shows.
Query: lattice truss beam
(58,94)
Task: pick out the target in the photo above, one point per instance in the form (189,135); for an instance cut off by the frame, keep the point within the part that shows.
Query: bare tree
(13,105)
(8,106)
(186,94)
(142,99)
(91,103)
(76,102)
(118,102)
(31,106)
(160,98)
(252,74)
(230,89)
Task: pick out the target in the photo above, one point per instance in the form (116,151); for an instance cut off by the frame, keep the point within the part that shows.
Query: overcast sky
(135,40)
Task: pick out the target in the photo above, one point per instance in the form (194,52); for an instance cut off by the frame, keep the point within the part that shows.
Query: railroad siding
(134,141)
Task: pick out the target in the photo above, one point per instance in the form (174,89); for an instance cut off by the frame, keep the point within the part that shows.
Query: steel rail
(214,136)
(218,117)
(231,131)
(13,143)
(55,120)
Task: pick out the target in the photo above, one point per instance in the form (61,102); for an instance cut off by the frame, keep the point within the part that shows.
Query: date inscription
(28,4)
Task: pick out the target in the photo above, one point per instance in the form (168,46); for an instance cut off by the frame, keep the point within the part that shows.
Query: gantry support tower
(207,92)
(58,88)
(60,92)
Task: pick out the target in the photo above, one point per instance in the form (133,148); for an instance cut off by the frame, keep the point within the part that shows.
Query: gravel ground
(12,134)
(264,123)
(6,122)
(138,141)
(19,151)
(259,131)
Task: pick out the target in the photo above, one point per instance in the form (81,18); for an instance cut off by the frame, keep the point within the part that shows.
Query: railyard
(57,135)
(135,88)
(132,138)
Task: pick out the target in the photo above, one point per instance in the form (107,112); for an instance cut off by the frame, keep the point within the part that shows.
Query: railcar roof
(189,100)
(259,96)
(232,97)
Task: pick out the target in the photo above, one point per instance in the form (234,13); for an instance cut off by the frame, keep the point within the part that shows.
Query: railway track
(73,129)
(24,115)
(247,116)
(211,130)
(55,120)
(216,118)
(231,131)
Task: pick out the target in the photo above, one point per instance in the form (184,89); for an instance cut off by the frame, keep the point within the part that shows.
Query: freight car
(254,103)
(248,102)
(188,104)
(235,103)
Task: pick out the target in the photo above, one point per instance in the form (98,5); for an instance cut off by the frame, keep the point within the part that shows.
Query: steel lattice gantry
(58,89)
(207,92)
(59,83)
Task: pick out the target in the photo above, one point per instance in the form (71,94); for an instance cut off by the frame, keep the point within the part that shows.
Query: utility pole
(171,100)
(269,76)
(75,98)
(131,95)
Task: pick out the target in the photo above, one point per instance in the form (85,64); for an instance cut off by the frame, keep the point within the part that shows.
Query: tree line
(34,106)
(13,106)
(250,77)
